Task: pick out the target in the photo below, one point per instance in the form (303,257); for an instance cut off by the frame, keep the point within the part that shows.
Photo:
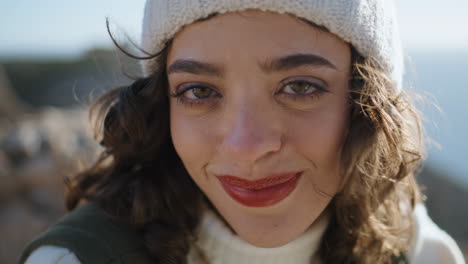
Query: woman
(264,132)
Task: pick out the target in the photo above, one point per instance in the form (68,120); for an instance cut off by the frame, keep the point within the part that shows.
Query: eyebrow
(194,67)
(296,60)
(279,64)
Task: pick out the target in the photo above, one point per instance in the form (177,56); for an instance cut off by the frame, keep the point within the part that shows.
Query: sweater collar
(220,245)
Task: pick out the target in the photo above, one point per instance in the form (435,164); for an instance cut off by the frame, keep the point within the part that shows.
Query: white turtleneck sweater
(222,246)
(430,246)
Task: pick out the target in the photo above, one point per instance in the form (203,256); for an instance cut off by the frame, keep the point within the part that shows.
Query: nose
(251,132)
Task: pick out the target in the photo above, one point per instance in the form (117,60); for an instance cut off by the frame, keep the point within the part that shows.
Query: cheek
(318,137)
(191,141)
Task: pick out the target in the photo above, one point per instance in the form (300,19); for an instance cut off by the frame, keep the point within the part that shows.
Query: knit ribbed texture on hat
(369,25)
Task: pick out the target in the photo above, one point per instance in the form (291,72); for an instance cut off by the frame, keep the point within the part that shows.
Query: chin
(270,226)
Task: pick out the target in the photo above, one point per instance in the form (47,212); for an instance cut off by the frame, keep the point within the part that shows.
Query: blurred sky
(57,27)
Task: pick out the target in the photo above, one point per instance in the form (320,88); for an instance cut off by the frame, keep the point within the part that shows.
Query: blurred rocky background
(45,137)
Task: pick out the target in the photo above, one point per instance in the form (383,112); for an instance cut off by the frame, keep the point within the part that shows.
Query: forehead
(255,35)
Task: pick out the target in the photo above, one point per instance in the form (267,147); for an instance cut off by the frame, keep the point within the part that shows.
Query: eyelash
(192,102)
(320,90)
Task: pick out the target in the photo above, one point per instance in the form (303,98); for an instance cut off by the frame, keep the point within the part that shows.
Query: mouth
(260,193)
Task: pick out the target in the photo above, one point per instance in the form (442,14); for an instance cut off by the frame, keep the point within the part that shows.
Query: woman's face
(258,117)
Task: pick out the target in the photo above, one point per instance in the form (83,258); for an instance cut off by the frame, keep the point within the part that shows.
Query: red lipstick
(260,193)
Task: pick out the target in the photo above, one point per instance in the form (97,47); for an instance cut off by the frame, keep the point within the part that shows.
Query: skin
(244,115)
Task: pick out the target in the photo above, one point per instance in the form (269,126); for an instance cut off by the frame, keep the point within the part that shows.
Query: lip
(260,193)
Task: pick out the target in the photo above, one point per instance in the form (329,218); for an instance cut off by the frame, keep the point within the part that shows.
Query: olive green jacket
(93,238)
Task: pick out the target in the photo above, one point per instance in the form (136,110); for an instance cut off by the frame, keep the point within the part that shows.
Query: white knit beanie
(369,25)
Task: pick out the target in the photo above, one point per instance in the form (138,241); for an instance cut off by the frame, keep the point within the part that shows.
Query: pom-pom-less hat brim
(369,25)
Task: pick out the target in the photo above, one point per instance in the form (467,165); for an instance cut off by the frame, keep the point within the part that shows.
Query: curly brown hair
(372,214)
(140,180)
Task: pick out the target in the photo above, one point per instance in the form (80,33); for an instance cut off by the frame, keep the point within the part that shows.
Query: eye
(302,88)
(299,87)
(194,93)
(198,92)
